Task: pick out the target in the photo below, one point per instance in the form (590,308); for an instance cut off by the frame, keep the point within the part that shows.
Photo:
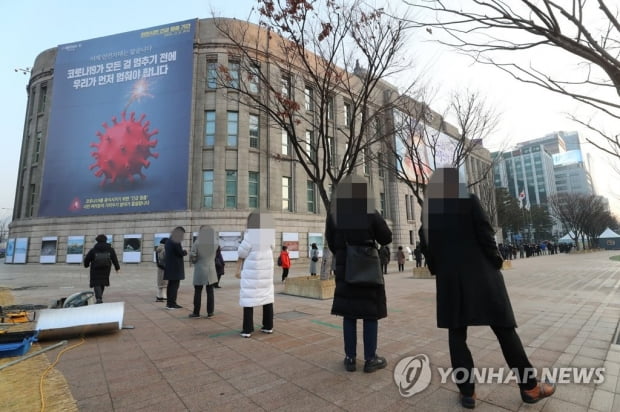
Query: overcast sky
(32,26)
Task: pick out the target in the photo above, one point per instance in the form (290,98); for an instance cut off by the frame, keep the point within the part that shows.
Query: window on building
(253,190)
(366,160)
(347,114)
(311,196)
(309,98)
(233,74)
(233,129)
(209,128)
(32,100)
(285,86)
(253,78)
(407,207)
(31,199)
(330,108)
(207,189)
(231,189)
(42,98)
(380,164)
(285,142)
(37,147)
(254,131)
(212,74)
(310,145)
(412,207)
(287,203)
(331,150)
(411,239)
(382,203)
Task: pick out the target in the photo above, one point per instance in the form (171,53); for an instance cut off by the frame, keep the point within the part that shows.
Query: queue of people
(511,251)
(456,241)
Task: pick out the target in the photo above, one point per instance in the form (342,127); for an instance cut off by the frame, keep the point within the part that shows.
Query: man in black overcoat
(174,270)
(458,241)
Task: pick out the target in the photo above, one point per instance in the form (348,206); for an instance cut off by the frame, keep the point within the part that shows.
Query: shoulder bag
(363,266)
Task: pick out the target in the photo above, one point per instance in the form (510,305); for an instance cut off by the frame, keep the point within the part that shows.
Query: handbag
(363,266)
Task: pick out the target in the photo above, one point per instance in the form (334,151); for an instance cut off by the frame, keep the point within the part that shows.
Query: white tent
(608,233)
(609,240)
(567,238)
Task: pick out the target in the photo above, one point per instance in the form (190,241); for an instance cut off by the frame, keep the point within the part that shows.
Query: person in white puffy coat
(256,286)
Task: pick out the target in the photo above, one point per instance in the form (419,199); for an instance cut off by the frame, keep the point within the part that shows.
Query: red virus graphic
(123,149)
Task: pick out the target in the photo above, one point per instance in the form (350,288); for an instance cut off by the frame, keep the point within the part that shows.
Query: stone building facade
(238,161)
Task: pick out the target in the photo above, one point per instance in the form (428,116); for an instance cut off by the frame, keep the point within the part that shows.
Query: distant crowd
(525,250)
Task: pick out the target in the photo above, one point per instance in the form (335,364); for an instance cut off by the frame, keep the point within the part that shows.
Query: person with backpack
(284,261)
(160,259)
(100,260)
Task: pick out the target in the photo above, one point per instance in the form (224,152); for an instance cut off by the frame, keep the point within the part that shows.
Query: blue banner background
(84,96)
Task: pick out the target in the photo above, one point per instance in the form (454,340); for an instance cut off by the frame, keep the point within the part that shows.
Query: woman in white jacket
(256,286)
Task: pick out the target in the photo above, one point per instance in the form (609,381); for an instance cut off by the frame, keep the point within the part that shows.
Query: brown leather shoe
(540,391)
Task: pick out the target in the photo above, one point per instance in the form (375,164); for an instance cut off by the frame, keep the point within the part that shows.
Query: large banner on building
(119,130)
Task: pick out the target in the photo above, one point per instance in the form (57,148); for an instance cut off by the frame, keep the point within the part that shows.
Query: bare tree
(423,140)
(317,51)
(4,228)
(583,215)
(589,32)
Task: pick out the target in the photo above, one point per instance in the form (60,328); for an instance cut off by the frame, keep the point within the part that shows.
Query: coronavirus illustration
(123,149)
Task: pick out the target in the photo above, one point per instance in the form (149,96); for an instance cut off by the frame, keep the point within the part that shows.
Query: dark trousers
(248,318)
(99,292)
(513,351)
(384,267)
(210,299)
(418,263)
(284,273)
(171,292)
(349,329)
(401,267)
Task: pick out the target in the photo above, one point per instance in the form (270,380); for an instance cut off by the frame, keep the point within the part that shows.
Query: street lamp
(24,71)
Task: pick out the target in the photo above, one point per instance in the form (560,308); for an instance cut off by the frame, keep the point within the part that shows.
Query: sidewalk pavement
(567,308)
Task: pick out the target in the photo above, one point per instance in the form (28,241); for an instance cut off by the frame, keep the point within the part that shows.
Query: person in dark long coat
(174,269)
(458,242)
(219,266)
(353,219)
(100,260)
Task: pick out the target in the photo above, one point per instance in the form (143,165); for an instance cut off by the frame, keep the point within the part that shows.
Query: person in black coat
(174,270)
(352,221)
(100,260)
(458,242)
(219,266)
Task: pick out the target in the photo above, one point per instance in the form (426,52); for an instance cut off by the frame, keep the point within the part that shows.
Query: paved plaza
(567,308)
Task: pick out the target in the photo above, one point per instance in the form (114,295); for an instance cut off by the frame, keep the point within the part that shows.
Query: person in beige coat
(203,258)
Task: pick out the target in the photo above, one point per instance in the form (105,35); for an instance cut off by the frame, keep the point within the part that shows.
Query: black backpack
(279,260)
(101,260)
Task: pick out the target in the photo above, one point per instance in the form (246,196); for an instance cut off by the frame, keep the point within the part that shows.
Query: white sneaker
(245,335)
(267,330)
